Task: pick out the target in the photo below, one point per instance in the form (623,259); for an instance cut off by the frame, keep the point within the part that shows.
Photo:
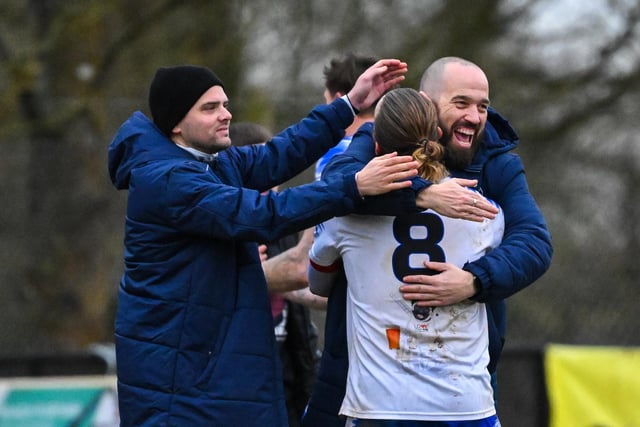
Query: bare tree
(70,72)
(74,72)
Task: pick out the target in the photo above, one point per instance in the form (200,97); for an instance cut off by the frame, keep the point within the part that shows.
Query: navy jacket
(523,256)
(194,334)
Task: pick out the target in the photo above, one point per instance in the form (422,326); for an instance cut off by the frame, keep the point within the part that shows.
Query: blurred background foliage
(565,73)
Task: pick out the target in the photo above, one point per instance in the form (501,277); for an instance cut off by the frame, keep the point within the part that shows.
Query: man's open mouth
(464,136)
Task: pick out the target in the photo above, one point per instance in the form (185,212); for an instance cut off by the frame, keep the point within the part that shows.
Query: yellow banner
(593,386)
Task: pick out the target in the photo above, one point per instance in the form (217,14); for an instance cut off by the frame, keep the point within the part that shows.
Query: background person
(339,77)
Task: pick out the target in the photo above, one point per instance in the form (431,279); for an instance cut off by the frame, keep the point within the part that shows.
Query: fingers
(262,251)
(393,160)
(477,216)
(386,173)
(484,206)
(390,65)
(396,70)
(377,79)
(436,266)
(397,169)
(478,209)
(471,206)
(466,182)
(389,69)
(393,82)
(394,167)
(420,295)
(398,163)
(394,75)
(393,181)
(412,282)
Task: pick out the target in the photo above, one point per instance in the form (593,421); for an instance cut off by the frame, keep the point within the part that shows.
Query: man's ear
(378,149)
(425,95)
(176,135)
(439,133)
(338,95)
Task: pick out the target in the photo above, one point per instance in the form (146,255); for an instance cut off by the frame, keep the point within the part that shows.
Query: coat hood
(499,136)
(137,142)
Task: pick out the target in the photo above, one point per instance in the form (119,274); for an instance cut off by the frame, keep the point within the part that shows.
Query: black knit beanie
(174,90)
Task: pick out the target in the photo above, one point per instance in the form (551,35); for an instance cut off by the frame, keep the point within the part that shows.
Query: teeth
(465,135)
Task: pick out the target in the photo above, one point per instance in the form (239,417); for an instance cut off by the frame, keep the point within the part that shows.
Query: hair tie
(423,143)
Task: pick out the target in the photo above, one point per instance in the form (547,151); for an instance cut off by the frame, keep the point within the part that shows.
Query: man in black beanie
(194,332)
(175,90)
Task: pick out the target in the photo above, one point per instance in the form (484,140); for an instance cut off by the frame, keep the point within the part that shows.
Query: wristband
(355,110)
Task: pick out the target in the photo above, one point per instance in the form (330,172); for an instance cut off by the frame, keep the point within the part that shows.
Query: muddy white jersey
(406,363)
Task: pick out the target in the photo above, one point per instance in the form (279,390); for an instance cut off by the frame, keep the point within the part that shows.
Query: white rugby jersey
(405,365)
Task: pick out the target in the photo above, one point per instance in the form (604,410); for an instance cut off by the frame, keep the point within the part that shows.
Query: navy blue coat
(194,332)
(523,256)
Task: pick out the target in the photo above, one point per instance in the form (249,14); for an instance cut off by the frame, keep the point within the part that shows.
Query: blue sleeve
(199,204)
(358,154)
(187,196)
(293,150)
(526,250)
